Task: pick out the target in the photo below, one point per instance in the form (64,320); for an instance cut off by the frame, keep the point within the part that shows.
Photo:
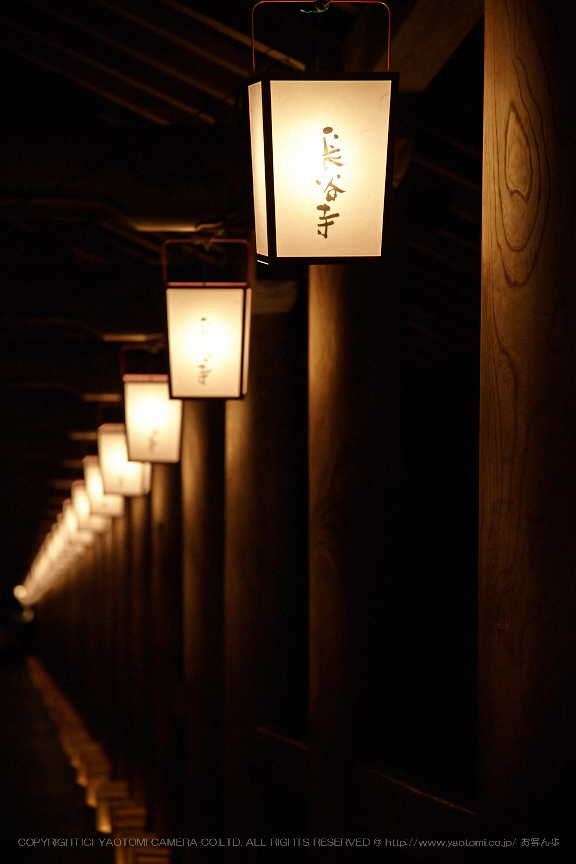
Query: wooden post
(265,582)
(166,643)
(118,672)
(139,773)
(527,648)
(203,610)
(354,505)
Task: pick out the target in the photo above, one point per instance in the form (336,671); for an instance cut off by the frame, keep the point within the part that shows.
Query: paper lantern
(75,535)
(153,419)
(81,505)
(119,476)
(100,503)
(208,335)
(322,153)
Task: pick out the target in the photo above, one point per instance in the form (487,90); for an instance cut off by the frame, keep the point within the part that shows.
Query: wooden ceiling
(123,121)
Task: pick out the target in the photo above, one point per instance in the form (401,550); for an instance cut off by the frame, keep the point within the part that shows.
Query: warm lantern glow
(208,337)
(321,158)
(119,476)
(100,503)
(76,535)
(81,505)
(153,420)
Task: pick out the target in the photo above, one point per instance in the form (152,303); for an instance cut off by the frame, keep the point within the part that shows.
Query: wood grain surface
(527,650)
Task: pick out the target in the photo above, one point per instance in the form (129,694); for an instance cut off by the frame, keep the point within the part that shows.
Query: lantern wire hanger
(153,346)
(327,4)
(208,244)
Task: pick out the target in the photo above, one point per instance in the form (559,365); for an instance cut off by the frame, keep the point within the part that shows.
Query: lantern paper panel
(100,503)
(153,419)
(77,536)
(81,505)
(321,156)
(119,476)
(208,338)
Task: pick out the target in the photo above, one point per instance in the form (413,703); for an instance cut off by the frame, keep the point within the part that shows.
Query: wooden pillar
(203,610)
(118,671)
(355,504)
(104,614)
(139,655)
(166,644)
(266,573)
(527,619)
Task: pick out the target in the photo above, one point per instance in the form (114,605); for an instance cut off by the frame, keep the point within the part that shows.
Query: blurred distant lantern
(208,333)
(153,419)
(100,503)
(75,535)
(322,151)
(20,593)
(119,476)
(81,505)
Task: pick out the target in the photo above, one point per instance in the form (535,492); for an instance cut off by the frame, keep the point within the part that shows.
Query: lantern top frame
(145,378)
(212,241)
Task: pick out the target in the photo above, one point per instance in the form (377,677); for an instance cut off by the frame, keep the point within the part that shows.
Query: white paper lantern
(81,505)
(119,476)
(76,536)
(208,334)
(322,166)
(153,419)
(100,503)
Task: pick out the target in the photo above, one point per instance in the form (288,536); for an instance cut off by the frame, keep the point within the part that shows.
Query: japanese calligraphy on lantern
(204,367)
(330,157)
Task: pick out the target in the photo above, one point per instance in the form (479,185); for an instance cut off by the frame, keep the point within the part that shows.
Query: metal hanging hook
(327,4)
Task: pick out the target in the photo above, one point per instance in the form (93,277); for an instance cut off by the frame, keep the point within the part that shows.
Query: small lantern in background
(100,503)
(322,151)
(75,535)
(81,505)
(119,476)
(153,419)
(208,334)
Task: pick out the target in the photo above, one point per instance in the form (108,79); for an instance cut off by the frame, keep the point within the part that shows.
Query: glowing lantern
(81,505)
(322,164)
(208,335)
(20,593)
(153,420)
(100,503)
(76,535)
(119,476)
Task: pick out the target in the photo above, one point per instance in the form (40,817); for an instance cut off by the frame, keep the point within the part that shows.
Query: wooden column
(266,574)
(104,616)
(355,501)
(139,654)
(118,672)
(528,419)
(166,645)
(203,610)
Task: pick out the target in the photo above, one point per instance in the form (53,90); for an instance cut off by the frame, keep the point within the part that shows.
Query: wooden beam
(422,45)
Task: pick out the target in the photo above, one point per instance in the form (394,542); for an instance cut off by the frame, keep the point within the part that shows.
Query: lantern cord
(327,3)
(316,9)
(152,345)
(100,412)
(210,242)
